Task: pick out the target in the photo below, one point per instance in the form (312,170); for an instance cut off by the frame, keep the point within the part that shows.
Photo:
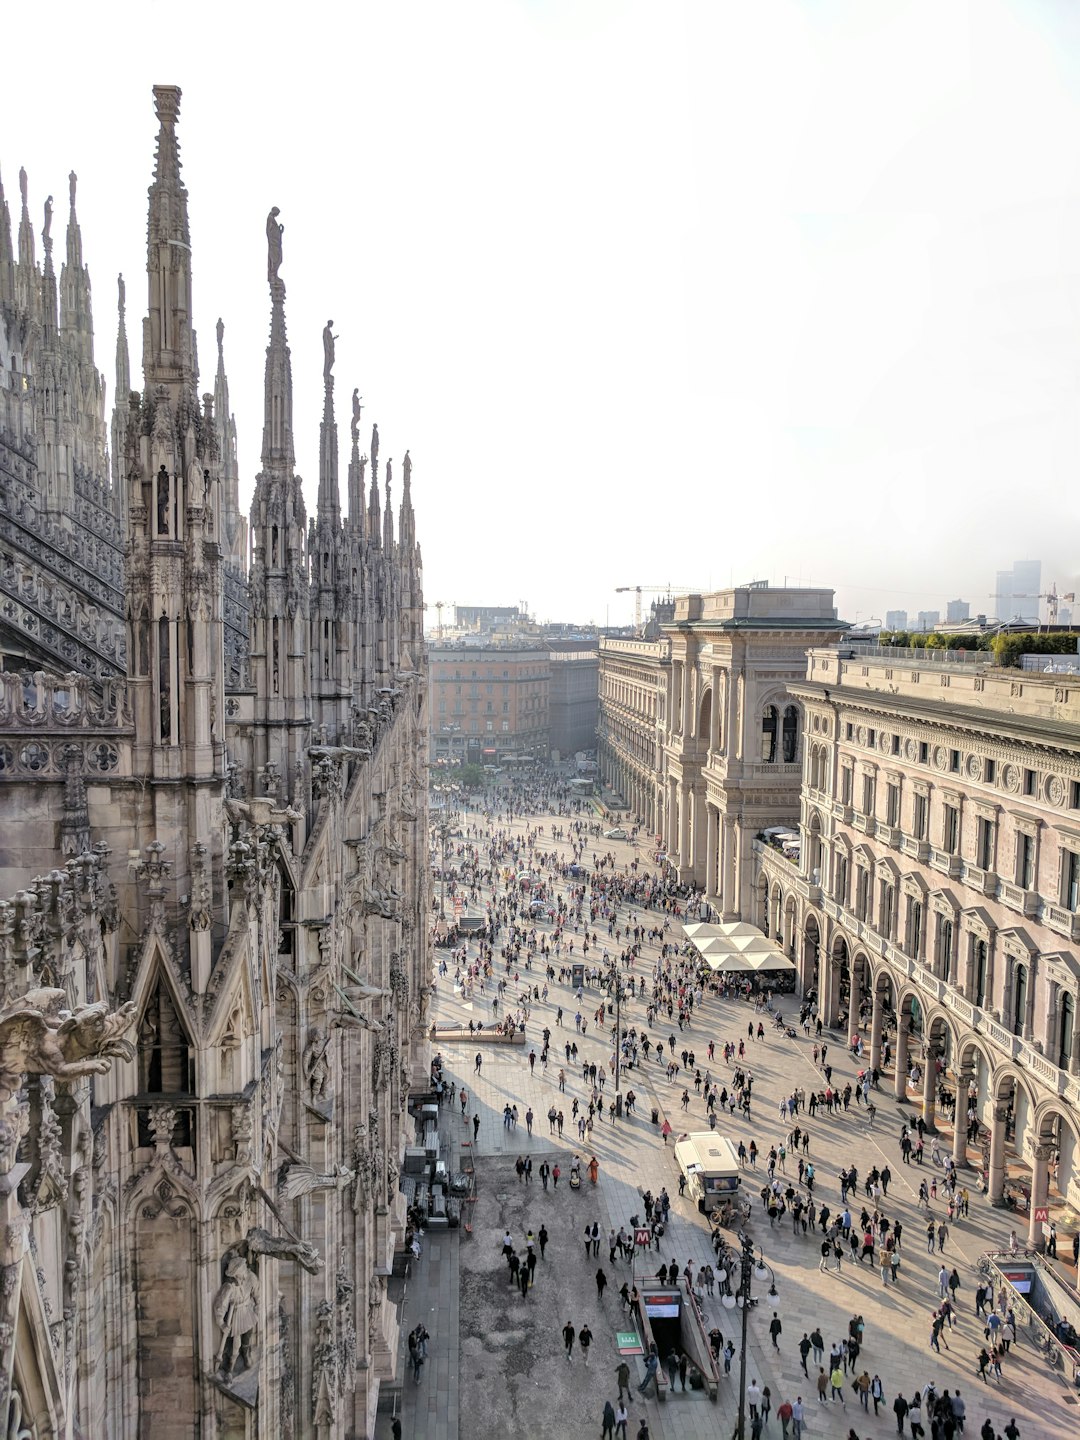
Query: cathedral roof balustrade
(41,701)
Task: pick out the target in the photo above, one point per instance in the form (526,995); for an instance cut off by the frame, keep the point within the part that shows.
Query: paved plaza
(497,1364)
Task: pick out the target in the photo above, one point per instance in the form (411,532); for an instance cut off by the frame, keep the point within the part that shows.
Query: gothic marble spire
(123,363)
(121,403)
(49,298)
(27,288)
(76,316)
(234,524)
(406,518)
(357,463)
(374,522)
(277,446)
(388,520)
(7,256)
(329,505)
(26,230)
(168,339)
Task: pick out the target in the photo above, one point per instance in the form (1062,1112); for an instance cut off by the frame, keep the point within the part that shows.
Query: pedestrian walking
(622,1375)
(601,1284)
(479,1062)
(775,1330)
(568,1334)
(585,1340)
(608,1432)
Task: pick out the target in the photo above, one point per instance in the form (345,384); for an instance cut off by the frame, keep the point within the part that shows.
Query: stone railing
(964,1008)
(40,701)
(1003,1039)
(1025,902)
(946,863)
(1062,921)
(1043,1067)
(94,563)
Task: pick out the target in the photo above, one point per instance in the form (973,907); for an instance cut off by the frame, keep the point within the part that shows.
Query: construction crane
(639,590)
(1052,598)
(439,606)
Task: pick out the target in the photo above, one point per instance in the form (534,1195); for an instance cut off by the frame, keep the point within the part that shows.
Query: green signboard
(628,1342)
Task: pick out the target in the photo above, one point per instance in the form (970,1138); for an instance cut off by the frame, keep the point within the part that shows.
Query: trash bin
(655,1116)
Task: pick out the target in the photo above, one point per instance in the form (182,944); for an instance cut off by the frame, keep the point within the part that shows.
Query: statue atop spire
(274,232)
(375,453)
(46,233)
(328,338)
(73,180)
(357,406)
(220,341)
(121,297)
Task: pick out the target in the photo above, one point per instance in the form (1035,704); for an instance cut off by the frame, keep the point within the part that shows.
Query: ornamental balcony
(948,864)
(984,881)
(1062,921)
(917,849)
(1025,902)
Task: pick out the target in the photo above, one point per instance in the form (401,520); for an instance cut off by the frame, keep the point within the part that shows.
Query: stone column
(688,720)
(829,978)
(710,849)
(902,1041)
(959,1144)
(684,829)
(714,712)
(877,1023)
(1040,1193)
(996,1178)
(929,1087)
(727,867)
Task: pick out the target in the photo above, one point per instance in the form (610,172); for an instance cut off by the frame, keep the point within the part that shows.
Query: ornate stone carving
(50,1182)
(316,1068)
(346,1325)
(236,1315)
(376,1285)
(39,1035)
(324,1380)
(298,1178)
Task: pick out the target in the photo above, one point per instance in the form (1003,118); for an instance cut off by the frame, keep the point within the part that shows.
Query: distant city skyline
(688,322)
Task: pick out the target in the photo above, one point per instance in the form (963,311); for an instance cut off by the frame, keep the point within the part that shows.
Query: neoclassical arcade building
(732,729)
(936,893)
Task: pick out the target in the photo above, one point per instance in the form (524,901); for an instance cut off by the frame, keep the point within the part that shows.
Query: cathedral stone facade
(213,967)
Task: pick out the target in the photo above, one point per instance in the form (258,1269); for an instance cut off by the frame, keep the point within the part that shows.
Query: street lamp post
(749,1269)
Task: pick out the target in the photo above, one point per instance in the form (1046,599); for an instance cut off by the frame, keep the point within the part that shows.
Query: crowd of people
(571,930)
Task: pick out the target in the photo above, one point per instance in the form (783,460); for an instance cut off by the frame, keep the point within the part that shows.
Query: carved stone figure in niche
(163,501)
(39,1035)
(236,1315)
(316,1068)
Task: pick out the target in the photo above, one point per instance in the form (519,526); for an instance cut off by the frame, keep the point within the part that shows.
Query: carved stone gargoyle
(40,1035)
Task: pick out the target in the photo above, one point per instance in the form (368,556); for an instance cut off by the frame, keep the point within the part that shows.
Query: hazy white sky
(652,292)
